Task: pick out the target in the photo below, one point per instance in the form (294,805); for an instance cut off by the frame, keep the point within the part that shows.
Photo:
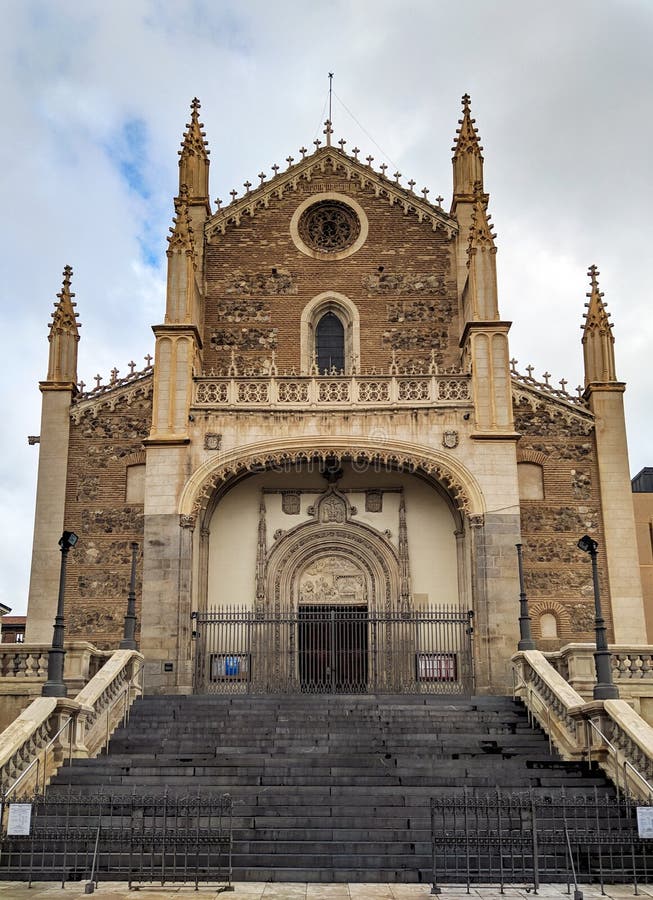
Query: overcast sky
(95,97)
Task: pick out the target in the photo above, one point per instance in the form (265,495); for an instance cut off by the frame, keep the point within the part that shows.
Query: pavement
(252,890)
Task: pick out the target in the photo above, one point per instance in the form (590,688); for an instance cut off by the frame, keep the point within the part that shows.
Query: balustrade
(288,391)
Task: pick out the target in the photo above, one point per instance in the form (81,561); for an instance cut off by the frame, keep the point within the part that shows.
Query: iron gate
(118,837)
(328,649)
(527,837)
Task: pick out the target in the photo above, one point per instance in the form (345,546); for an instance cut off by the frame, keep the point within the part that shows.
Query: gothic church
(330,459)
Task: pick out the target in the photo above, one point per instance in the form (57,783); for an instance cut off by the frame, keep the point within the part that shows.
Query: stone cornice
(316,164)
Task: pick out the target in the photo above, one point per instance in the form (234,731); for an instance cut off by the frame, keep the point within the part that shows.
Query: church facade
(330,459)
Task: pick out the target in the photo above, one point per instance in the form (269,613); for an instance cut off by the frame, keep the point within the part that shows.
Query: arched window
(329,344)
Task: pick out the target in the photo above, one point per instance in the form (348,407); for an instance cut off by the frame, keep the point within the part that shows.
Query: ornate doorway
(332,649)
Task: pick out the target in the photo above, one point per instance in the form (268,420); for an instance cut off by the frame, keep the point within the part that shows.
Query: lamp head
(67,540)
(587,544)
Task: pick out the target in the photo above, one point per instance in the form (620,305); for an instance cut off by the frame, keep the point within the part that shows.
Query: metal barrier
(113,837)
(323,649)
(527,838)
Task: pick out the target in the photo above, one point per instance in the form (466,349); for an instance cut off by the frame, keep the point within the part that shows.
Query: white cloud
(561,92)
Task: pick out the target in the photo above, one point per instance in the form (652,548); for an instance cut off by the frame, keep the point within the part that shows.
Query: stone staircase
(329,788)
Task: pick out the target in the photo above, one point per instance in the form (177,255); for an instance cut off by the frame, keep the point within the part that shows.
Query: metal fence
(77,837)
(327,649)
(527,838)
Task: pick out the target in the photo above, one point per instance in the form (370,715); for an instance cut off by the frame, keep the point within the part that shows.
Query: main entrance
(332,649)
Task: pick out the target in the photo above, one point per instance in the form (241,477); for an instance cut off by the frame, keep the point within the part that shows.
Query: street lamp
(55,686)
(605,688)
(526,641)
(128,641)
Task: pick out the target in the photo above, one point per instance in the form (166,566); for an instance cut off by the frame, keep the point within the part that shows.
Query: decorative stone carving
(212,441)
(275,282)
(450,439)
(247,338)
(332,579)
(419,311)
(404,283)
(290,502)
(374,501)
(187,522)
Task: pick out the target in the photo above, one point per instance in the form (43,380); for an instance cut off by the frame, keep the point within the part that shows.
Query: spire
(194,159)
(181,234)
(482,294)
(598,340)
(64,336)
(467,156)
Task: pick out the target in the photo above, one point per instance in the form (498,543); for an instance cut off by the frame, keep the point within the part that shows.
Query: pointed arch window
(330,344)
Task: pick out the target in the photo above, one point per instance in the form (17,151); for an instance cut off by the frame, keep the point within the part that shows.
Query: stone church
(331,457)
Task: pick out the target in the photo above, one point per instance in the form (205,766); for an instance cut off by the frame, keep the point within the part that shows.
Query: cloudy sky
(95,97)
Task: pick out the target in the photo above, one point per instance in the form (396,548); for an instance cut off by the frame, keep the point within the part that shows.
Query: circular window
(329,226)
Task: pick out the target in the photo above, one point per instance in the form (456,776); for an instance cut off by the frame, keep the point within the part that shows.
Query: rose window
(329,226)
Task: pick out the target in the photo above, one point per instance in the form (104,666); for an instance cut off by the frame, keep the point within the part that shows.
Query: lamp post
(526,641)
(55,686)
(128,641)
(605,688)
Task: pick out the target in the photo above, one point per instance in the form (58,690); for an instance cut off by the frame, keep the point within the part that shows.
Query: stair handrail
(529,711)
(566,710)
(627,765)
(29,740)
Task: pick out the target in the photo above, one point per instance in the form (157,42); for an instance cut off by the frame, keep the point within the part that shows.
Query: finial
(262,176)
(546,376)
(411,185)
(465,101)
(563,385)
(370,160)
(328,130)
(233,193)
(148,360)
(513,365)
(317,143)
(593,273)
(425,192)
(247,185)
(355,151)
(114,375)
(530,370)
(383,168)
(397,176)
(132,366)
(303,151)
(439,200)
(275,168)
(97,378)
(290,160)
(467,134)
(341,144)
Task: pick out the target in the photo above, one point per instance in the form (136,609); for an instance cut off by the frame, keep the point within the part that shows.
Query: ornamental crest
(450,439)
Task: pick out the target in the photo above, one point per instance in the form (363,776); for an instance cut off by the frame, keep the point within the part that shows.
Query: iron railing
(324,649)
(117,837)
(529,837)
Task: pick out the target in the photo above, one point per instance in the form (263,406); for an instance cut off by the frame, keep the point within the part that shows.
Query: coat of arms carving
(450,439)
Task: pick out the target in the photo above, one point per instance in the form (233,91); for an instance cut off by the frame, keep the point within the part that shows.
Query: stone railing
(632,671)
(53,729)
(28,661)
(608,732)
(295,392)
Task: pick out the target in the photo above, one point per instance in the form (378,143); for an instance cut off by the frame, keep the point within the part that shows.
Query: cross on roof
(397,176)
(247,185)
(290,160)
(148,360)
(328,130)
(218,202)
(370,160)
(355,151)
(317,143)
(303,152)
(132,366)
(341,144)
(439,199)
(563,384)
(275,168)
(97,379)
(546,377)
(81,385)
(513,365)
(530,370)
(261,175)
(114,374)
(234,194)
(425,191)
(383,168)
